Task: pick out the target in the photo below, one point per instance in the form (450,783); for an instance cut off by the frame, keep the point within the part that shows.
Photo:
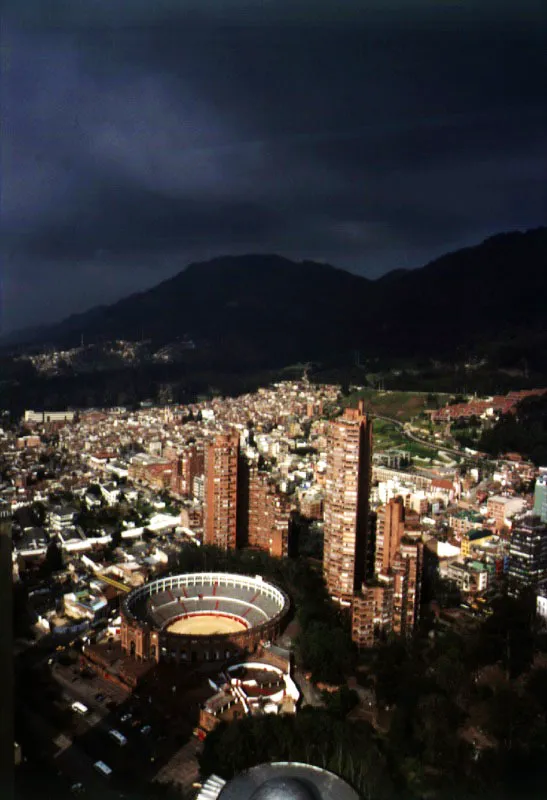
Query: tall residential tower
(347,504)
(540,495)
(390,602)
(390,528)
(527,568)
(269,519)
(221,491)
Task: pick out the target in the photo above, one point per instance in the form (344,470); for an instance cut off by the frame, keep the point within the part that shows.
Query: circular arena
(202,616)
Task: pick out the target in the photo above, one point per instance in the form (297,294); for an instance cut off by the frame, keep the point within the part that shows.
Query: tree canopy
(524,432)
(313,736)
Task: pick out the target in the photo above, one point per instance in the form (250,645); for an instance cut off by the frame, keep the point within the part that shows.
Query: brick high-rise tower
(269,515)
(407,584)
(390,602)
(221,491)
(390,527)
(347,503)
(191,464)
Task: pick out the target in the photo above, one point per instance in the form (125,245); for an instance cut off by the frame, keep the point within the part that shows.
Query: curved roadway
(441,448)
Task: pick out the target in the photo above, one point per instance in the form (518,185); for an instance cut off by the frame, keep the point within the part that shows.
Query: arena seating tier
(238,601)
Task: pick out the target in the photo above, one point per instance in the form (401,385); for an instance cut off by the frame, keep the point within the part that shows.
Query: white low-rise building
(541,605)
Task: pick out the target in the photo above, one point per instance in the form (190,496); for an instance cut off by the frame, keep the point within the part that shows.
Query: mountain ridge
(267,309)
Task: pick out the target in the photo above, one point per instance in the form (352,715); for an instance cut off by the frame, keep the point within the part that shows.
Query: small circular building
(202,616)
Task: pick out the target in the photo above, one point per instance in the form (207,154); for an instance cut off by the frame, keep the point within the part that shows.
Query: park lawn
(387,435)
(399,405)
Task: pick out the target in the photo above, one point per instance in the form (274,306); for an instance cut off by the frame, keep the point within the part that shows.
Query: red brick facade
(221,484)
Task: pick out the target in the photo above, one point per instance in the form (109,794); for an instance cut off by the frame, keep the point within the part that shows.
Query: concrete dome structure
(284,788)
(281,780)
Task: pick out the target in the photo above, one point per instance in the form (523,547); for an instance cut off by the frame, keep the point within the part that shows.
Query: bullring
(202,616)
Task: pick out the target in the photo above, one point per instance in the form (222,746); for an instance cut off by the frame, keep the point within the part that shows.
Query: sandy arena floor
(206,625)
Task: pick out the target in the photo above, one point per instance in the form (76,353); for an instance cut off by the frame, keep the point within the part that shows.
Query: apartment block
(151,471)
(463,521)
(407,571)
(312,505)
(470,576)
(527,566)
(473,539)
(540,495)
(372,612)
(190,464)
(269,515)
(348,476)
(502,508)
(391,602)
(221,491)
(390,524)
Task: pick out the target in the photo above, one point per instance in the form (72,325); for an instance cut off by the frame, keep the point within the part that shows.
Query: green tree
(536,687)
(507,636)
(21,610)
(435,728)
(39,513)
(513,718)
(313,736)
(116,537)
(53,561)
(389,665)
(341,702)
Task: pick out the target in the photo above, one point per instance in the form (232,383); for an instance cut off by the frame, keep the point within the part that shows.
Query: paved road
(67,756)
(478,488)
(73,692)
(311,695)
(69,759)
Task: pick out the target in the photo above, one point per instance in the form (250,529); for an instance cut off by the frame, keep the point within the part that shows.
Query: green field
(387,435)
(399,405)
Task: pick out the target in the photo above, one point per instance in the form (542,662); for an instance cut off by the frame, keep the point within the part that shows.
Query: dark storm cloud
(141,136)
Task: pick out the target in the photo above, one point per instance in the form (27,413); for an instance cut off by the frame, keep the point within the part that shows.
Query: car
(126,717)
(145,730)
(77,788)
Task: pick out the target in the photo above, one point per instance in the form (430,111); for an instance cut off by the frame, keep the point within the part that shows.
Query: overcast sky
(137,140)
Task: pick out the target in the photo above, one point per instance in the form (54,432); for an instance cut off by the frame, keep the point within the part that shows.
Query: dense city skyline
(138,141)
(186,573)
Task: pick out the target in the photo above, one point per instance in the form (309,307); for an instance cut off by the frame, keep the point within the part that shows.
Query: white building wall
(541,606)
